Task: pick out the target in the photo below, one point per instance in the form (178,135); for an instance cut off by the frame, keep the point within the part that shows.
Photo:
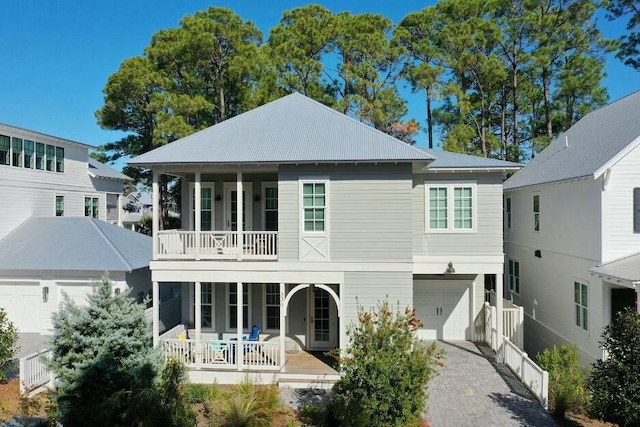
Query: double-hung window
(270,192)
(536,212)
(59,159)
(581,305)
(207,197)
(51,157)
(91,207)
(272,306)
(29,148)
(5,150)
(508,212)
(206,304)
(59,205)
(233,306)
(450,206)
(514,276)
(39,156)
(16,150)
(314,205)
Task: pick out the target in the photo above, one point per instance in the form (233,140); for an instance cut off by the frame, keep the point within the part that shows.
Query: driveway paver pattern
(471,390)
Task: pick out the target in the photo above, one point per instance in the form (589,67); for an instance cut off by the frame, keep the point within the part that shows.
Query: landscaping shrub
(566,378)
(248,405)
(385,370)
(200,393)
(615,382)
(8,341)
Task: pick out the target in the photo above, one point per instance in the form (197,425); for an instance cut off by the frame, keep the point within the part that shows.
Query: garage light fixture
(450,268)
(45,293)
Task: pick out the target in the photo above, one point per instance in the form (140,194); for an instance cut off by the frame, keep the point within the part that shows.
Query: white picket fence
(534,377)
(34,374)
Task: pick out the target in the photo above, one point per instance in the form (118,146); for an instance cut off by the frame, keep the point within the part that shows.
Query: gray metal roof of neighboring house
(101,170)
(626,268)
(450,160)
(590,144)
(29,134)
(292,129)
(73,243)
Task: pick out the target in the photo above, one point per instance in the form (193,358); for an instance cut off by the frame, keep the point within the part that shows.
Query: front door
(231,207)
(322,320)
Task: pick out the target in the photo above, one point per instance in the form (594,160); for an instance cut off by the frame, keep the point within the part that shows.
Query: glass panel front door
(323,317)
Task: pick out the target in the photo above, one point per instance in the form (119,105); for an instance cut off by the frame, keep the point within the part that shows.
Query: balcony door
(323,317)
(231,206)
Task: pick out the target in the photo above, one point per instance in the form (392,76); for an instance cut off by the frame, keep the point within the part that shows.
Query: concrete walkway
(471,390)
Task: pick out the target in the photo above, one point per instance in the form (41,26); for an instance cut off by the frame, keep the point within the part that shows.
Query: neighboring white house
(44,176)
(570,215)
(333,214)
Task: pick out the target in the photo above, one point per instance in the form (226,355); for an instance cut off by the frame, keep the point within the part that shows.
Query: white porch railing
(33,372)
(513,325)
(250,245)
(222,354)
(490,326)
(534,377)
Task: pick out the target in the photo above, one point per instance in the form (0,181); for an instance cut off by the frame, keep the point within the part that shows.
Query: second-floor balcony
(217,245)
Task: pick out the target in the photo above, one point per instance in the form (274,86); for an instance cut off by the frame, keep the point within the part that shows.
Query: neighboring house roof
(100,170)
(33,134)
(588,148)
(292,129)
(73,243)
(450,160)
(626,268)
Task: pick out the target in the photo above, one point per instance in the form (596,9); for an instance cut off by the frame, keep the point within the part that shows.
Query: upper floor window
(16,152)
(514,276)
(29,149)
(536,212)
(51,157)
(91,207)
(206,206)
(271,208)
(314,203)
(59,159)
(636,207)
(508,212)
(39,156)
(272,306)
(451,207)
(581,305)
(59,205)
(5,150)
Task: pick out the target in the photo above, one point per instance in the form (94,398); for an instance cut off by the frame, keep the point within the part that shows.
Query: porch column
(283,313)
(198,316)
(637,299)
(499,315)
(120,196)
(198,214)
(155,300)
(155,218)
(239,214)
(240,316)
(342,328)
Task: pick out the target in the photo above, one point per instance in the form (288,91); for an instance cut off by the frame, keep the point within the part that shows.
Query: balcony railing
(248,245)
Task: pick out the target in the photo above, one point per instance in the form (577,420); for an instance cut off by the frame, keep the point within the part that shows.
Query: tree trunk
(515,98)
(546,83)
(429,118)
(503,126)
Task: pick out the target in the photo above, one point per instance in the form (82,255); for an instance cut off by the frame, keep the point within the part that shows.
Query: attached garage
(444,307)
(76,292)
(21,300)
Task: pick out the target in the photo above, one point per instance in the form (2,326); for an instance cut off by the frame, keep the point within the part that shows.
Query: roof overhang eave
(626,282)
(475,169)
(146,165)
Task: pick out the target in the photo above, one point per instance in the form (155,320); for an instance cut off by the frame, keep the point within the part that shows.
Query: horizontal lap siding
(487,240)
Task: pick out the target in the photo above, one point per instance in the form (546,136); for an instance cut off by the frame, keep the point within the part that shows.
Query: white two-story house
(294,215)
(572,230)
(54,236)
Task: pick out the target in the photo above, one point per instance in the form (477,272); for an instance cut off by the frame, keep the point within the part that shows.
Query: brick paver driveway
(471,390)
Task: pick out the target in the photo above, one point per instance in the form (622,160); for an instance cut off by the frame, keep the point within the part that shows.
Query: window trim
(94,198)
(264,307)
(249,325)
(327,199)
(265,185)
(55,204)
(536,214)
(450,186)
(508,209)
(192,188)
(585,283)
(509,276)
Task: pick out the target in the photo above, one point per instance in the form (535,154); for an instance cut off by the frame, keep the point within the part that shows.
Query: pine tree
(101,355)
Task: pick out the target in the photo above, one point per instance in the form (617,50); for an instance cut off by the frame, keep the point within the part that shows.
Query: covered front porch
(253,328)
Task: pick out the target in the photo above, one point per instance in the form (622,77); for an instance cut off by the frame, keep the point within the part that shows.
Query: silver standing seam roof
(100,170)
(451,160)
(73,243)
(292,129)
(586,147)
(626,268)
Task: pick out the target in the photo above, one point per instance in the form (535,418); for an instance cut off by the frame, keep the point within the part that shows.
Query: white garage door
(77,292)
(443,308)
(21,300)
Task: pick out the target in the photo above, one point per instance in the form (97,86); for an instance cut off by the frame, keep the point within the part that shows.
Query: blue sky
(59,54)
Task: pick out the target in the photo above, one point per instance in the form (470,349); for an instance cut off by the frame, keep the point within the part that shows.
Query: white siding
(486,240)
(619,238)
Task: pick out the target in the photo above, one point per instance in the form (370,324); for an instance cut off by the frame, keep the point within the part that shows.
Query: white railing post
(544,397)
(520,327)
(23,373)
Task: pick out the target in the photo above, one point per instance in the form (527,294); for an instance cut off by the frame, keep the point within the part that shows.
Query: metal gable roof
(451,160)
(292,129)
(100,170)
(626,268)
(593,142)
(73,243)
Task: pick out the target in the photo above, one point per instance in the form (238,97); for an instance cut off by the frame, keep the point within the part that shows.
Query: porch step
(322,382)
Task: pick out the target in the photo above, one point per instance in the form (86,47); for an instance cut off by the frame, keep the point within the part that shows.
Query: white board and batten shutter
(443,306)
